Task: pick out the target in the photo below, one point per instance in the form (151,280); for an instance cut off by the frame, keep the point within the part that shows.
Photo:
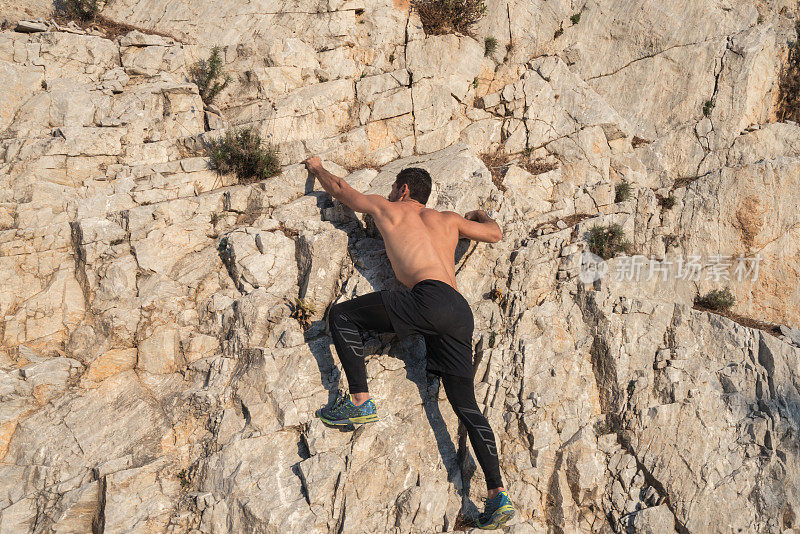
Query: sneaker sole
(351,420)
(501,517)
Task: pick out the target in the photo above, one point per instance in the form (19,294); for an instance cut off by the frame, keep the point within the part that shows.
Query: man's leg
(346,321)
(461,395)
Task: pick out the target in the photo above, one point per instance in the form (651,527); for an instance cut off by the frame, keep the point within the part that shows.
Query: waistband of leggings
(439,283)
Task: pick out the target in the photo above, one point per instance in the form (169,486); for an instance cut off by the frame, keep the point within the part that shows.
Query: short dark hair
(419,183)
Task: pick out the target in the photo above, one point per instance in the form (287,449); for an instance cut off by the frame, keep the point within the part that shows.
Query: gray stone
(31,26)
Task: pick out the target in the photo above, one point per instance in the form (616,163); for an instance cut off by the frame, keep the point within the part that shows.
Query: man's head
(411,182)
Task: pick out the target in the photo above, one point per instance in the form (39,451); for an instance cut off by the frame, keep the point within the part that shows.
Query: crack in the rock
(604,377)
(79,255)
(99,520)
(650,56)
(510,35)
(410,84)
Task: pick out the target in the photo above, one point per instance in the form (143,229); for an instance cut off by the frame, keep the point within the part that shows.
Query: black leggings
(346,321)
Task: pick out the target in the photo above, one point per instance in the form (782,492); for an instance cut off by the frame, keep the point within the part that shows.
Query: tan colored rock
(152,375)
(111,363)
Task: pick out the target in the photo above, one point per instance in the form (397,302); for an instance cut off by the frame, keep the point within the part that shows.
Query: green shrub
(489,45)
(708,107)
(448,16)
(716,299)
(607,241)
(242,152)
(208,76)
(81,10)
(576,18)
(183,476)
(622,191)
(603,427)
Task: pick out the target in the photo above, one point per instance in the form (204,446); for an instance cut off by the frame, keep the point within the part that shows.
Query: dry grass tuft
(86,14)
(539,166)
(448,16)
(789,85)
(302,311)
(498,163)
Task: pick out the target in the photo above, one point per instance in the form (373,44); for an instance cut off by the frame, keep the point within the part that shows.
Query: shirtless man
(420,243)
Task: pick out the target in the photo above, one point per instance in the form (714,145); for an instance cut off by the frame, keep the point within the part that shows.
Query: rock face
(153,377)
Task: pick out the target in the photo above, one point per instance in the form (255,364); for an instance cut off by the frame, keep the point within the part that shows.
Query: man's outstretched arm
(342,191)
(477,225)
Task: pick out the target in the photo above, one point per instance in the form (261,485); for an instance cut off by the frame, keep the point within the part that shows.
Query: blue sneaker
(497,511)
(342,411)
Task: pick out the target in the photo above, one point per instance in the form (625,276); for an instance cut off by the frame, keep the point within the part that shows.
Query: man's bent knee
(333,316)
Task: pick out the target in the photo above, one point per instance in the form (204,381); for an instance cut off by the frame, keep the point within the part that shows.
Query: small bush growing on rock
(81,10)
(302,312)
(716,299)
(603,427)
(667,202)
(448,16)
(708,107)
(576,18)
(243,152)
(670,240)
(539,166)
(208,76)
(622,191)
(789,85)
(608,241)
(489,45)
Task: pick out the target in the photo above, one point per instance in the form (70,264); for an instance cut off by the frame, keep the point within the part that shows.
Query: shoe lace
(341,399)
(485,501)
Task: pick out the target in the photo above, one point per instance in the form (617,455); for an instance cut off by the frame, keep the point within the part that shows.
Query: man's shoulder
(447,213)
(452,217)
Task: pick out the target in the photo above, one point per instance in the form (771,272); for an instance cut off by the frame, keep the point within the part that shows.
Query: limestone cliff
(153,378)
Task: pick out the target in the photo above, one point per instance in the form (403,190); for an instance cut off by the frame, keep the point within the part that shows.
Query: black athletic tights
(346,321)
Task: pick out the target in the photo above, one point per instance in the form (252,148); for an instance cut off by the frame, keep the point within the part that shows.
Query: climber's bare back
(420,242)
